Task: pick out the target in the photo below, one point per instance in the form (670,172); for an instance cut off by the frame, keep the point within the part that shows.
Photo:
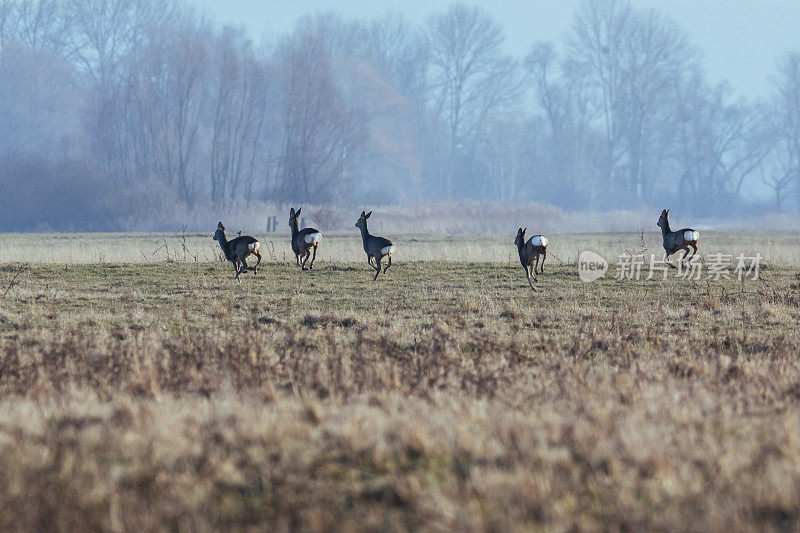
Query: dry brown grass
(444,396)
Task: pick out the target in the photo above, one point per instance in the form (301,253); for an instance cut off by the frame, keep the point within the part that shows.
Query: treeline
(113,111)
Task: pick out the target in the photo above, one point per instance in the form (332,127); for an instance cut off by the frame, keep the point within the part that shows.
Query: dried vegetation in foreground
(444,396)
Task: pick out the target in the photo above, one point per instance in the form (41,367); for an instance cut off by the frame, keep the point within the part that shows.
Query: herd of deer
(306,241)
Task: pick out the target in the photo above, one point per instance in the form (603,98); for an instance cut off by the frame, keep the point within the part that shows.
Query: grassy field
(344,247)
(445,396)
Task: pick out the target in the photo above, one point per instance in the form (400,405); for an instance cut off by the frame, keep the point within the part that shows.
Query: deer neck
(223,243)
(364,235)
(665,228)
(294,226)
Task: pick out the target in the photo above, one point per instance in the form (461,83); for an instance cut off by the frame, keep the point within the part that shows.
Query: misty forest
(118,114)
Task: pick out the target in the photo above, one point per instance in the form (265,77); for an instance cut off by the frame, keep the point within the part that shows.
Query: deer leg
(694,247)
(369,260)
(311,266)
(255,268)
(236,269)
(377,268)
(666,260)
(528,275)
(536,265)
(245,268)
(390,263)
(544,256)
(685,254)
(305,260)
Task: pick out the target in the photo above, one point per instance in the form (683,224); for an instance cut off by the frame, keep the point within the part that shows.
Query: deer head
(220,232)
(294,218)
(362,221)
(520,240)
(663,219)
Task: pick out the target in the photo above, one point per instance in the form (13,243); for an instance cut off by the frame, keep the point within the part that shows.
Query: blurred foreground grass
(446,395)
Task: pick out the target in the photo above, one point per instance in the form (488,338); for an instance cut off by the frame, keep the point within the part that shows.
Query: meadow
(142,388)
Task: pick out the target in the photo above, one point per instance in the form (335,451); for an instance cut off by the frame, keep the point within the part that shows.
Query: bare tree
(657,54)
(388,86)
(719,144)
(103,32)
(784,120)
(564,94)
(401,54)
(319,130)
(41,104)
(634,59)
(39,25)
(471,77)
(163,109)
(779,176)
(239,99)
(597,43)
(169,109)
(502,150)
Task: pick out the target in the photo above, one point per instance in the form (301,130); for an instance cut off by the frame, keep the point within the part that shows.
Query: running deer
(238,250)
(376,247)
(530,251)
(303,241)
(677,240)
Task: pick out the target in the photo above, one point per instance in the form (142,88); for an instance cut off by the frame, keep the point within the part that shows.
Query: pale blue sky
(741,39)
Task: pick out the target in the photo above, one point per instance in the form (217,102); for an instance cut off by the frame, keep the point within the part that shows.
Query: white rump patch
(312,238)
(691,235)
(253,246)
(386,250)
(539,240)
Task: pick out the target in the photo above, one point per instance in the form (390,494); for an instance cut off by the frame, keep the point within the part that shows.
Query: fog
(152,114)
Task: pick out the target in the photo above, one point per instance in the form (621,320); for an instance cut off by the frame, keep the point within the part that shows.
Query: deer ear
(220,226)
(368,215)
(297,213)
(523,231)
(291,212)
(363,214)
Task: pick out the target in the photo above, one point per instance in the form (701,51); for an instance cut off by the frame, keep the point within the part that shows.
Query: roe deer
(303,240)
(528,251)
(238,250)
(677,240)
(376,247)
